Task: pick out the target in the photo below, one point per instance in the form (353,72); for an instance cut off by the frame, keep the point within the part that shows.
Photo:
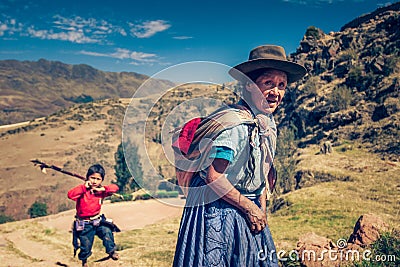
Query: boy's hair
(96,168)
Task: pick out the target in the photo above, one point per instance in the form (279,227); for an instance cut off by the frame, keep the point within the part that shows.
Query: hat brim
(293,70)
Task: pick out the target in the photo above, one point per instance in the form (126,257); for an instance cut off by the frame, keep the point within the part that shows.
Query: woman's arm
(221,185)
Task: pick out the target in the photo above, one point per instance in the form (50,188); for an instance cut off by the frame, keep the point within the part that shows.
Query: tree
(38,209)
(285,160)
(128,180)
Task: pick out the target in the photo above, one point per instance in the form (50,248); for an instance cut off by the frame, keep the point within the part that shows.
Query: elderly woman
(224,222)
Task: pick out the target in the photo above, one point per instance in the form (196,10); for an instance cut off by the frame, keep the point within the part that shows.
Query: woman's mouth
(272,101)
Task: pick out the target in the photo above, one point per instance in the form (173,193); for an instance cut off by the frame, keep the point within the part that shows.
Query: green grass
(331,209)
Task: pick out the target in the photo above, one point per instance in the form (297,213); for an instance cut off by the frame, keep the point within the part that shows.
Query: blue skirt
(217,234)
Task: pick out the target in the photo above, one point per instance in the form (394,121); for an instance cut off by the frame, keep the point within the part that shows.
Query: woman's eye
(282,86)
(268,83)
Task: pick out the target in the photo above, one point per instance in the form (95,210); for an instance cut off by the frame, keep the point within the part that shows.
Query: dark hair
(96,168)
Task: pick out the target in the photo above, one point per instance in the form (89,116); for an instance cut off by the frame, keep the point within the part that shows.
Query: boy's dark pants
(86,237)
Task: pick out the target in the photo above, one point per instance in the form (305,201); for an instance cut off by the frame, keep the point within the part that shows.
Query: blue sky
(148,36)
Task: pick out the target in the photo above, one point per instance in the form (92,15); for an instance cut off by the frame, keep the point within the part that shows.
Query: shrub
(340,98)
(347,55)
(38,209)
(166,194)
(385,251)
(313,32)
(172,194)
(311,86)
(392,64)
(125,197)
(355,77)
(4,218)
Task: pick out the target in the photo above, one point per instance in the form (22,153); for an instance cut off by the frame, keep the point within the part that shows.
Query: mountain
(30,90)
(352,89)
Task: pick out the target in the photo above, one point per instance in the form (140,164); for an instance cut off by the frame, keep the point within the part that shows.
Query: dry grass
(329,209)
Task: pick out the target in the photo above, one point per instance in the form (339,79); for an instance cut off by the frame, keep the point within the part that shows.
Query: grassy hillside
(329,209)
(72,138)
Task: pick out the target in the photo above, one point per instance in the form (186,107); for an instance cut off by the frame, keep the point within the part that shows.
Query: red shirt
(88,204)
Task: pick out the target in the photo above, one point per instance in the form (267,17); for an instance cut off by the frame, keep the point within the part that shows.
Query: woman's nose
(275,90)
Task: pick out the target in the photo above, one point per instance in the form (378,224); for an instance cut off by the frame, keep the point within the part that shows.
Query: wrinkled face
(268,90)
(95,179)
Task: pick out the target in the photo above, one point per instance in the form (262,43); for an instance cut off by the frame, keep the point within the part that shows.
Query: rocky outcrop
(351,74)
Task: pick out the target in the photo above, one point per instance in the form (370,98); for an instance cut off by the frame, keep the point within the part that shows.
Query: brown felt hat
(268,57)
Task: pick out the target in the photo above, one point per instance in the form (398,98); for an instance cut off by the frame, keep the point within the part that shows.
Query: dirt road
(20,247)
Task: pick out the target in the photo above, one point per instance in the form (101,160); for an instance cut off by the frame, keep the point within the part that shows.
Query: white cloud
(3,28)
(75,30)
(121,53)
(182,37)
(148,28)
(80,30)
(9,26)
(76,36)
(89,26)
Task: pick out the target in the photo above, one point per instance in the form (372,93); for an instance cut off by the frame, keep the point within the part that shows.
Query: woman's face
(268,90)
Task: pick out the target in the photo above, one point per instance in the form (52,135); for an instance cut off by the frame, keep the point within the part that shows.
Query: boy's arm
(111,189)
(106,190)
(77,192)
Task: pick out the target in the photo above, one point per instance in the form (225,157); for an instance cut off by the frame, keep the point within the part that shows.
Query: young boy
(88,223)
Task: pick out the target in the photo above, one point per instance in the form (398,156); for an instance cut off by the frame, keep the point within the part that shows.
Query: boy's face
(95,179)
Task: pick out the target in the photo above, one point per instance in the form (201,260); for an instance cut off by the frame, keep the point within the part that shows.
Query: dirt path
(22,246)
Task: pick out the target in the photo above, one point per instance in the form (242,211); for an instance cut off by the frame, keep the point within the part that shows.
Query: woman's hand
(255,216)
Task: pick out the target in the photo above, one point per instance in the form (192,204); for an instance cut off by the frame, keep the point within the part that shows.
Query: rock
(339,118)
(334,48)
(377,65)
(279,203)
(326,147)
(342,69)
(311,246)
(367,230)
(304,178)
(380,112)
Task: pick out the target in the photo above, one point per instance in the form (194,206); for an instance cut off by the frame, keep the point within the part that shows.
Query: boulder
(311,246)
(367,230)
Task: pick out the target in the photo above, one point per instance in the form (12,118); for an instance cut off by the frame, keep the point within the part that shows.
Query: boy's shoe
(114,255)
(84,263)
